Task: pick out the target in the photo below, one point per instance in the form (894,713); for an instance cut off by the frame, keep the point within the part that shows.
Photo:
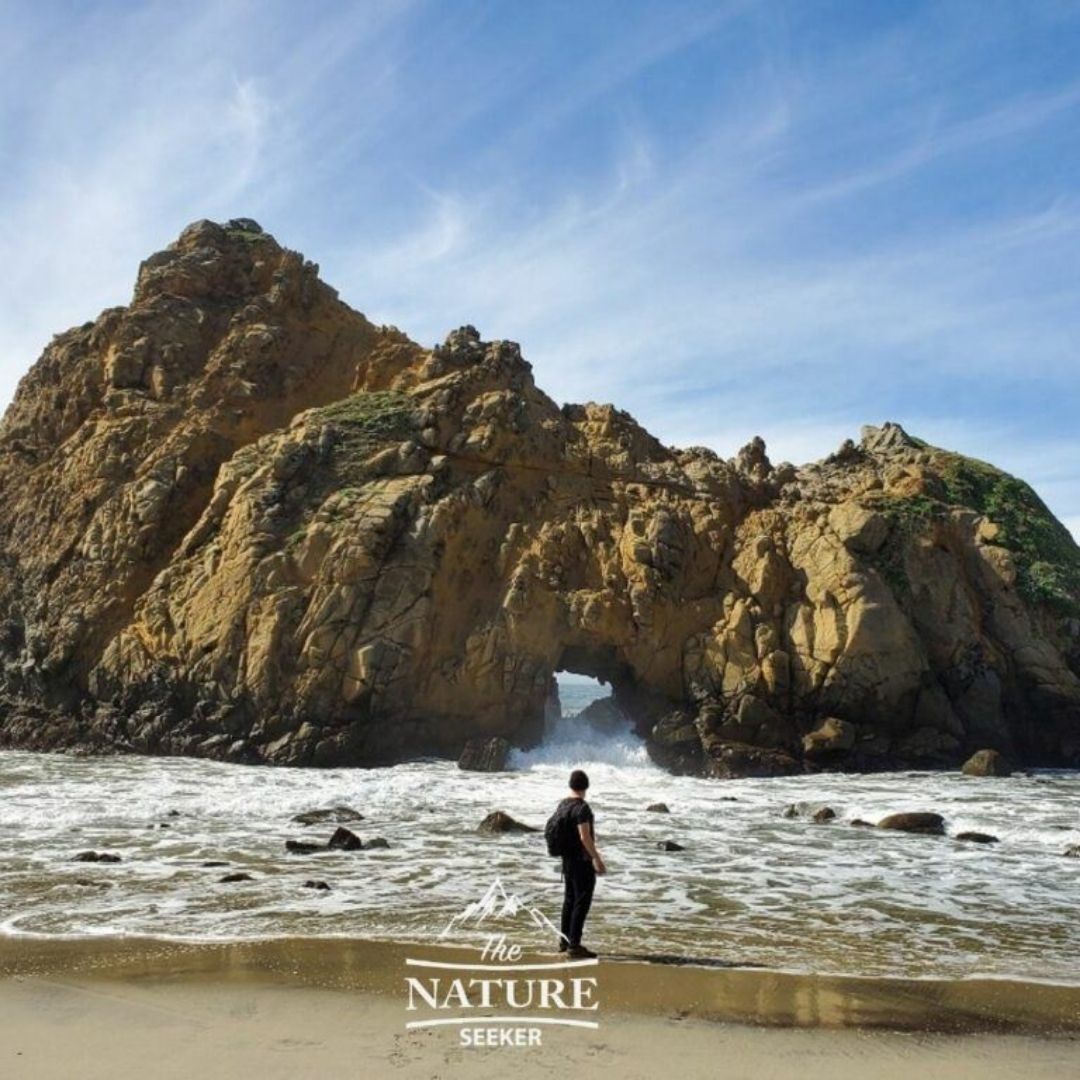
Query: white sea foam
(751,886)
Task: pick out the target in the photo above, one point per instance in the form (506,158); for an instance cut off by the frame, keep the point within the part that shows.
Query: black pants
(580,882)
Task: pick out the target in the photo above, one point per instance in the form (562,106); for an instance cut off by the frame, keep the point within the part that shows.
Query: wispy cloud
(729,219)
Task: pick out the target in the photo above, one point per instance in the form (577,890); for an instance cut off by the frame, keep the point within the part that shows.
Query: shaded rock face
(484,755)
(239,521)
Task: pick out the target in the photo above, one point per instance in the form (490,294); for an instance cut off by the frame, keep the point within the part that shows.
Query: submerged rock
(670,845)
(977,837)
(658,808)
(498,821)
(97,856)
(376,842)
(333,815)
(925,823)
(986,763)
(1072,852)
(231,879)
(814,811)
(303,847)
(321,886)
(484,755)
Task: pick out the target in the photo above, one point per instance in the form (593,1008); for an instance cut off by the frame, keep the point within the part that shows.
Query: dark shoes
(579,952)
(563,944)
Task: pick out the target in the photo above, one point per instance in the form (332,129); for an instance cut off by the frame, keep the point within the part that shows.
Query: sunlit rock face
(237,520)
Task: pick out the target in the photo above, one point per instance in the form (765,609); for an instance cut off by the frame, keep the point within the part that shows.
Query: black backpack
(558,831)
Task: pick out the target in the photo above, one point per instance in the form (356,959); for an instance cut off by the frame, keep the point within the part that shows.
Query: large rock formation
(238,520)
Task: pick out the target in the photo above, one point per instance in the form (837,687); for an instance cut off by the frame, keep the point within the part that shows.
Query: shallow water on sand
(751,887)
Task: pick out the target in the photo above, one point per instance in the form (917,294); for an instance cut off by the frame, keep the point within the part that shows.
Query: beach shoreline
(325,1007)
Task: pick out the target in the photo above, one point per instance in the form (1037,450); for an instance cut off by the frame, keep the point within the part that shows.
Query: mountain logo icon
(498,905)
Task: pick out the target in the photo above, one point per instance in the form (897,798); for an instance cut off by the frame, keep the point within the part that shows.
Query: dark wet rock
(331,815)
(484,755)
(670,845)
(376,842)
(164,825)
(858,823)
(214,863)
(498,821)
(986,763)
(302,847)
(88,884)
(344,840)
(826,813)
(97,856)
(321,886)
(604,716)
(977,837)
(173,813)
(1072,852)
(921,822)
(230,879)
(658,808)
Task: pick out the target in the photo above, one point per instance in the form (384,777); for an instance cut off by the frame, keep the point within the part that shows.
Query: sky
(740,218)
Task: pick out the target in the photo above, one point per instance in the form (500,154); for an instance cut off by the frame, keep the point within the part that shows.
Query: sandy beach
(127,1008)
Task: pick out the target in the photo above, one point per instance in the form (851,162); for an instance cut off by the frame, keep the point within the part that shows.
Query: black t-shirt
(578,812)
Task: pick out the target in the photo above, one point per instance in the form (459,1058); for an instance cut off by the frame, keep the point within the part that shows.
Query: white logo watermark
(502,999)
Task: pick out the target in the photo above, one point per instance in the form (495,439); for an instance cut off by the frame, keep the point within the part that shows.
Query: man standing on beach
(581,862)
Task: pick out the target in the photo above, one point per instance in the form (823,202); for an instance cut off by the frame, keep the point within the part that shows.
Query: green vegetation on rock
(1046,556)
(366,419)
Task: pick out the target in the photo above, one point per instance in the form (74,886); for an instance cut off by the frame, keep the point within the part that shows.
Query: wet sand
(297,1008)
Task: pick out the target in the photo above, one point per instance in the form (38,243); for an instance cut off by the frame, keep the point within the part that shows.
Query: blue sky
(785,219)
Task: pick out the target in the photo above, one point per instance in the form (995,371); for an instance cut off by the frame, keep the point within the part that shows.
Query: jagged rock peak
(887,438)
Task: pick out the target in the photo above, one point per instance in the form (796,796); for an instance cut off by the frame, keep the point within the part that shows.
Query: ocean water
(752,887)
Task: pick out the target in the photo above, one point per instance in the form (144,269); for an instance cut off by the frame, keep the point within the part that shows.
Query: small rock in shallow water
(858,823)
(302,847)
(814,811)
(229,879)
(320,885)
(977,837)
(986,763)
(92,884)
(376,842)
(670,845)
(333,815)
(920,822)
(214,863)
(344,840)
(1072,852)
(658,808)
(96,856)
(498,821)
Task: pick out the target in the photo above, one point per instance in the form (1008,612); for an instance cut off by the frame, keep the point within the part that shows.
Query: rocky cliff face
(239,521)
